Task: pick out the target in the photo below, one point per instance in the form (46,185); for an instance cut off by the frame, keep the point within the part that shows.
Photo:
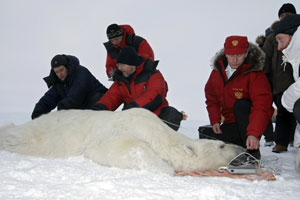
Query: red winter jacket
(129,39)
(247,82)
(146,88)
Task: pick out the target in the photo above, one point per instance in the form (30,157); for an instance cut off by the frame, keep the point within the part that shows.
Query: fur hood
(255,59)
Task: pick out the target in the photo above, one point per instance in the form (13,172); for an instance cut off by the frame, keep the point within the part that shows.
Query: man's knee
(171,116)
(206,132)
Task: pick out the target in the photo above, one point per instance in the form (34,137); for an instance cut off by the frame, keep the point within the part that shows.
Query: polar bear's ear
(188,149)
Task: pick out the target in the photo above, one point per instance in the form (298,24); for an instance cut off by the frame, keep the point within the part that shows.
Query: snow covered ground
(29,178)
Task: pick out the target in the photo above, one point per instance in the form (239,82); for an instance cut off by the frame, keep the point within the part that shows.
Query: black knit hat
(114,30)
(59,60)
(128,56)
(288,25)
(287,8)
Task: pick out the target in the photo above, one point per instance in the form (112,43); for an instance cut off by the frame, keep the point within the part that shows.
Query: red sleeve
(213,105)
(112,98)
(155,86)
(110,65)
(261,98)
(145,50)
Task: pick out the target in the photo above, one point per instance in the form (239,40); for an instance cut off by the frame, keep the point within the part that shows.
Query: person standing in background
(287,34)
(280,77)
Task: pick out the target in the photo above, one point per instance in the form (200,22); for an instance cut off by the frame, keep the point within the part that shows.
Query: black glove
(64,105)
(99,106)
(35,115)
(132,104)
(61,106)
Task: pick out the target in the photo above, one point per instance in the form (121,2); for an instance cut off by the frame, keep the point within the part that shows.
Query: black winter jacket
(280,76)
(80,90)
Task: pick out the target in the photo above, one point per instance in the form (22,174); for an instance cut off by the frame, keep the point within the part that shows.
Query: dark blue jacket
(80,90)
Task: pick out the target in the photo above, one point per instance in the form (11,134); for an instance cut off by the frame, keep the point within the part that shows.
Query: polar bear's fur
(131,139)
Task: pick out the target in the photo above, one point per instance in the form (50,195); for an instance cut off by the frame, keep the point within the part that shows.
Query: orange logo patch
(235,43)
(238,95)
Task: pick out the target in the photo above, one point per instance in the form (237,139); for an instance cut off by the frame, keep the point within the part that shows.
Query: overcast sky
(184,35)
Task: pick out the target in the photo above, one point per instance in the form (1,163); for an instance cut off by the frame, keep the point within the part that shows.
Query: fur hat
(288,25)
(236,45)
(260,40)
(128,56)
(59,60)
(287,8)
(114,30)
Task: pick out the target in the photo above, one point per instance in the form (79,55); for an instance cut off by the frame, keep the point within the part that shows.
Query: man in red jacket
(119,37)
(239,91)
(137,83)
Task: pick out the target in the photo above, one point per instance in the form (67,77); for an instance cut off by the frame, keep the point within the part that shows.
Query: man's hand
(132,104)
(216,128)
(99,106)
(252,142)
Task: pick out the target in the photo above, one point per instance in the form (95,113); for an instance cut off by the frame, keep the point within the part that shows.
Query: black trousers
(171,116)
(234,133)
(285,123)
(296,111)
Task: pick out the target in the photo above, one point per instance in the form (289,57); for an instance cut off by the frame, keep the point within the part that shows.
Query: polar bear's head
(204,154)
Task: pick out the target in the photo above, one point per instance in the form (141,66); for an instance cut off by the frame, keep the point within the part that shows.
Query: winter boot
(279,148)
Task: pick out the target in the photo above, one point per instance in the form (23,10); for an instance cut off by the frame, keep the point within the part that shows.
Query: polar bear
(130,139)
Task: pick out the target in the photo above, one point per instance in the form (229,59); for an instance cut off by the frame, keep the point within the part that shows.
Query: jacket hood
(292,52)
(255,59)
(128,37)
(52,78)
(147,65)
(127,29)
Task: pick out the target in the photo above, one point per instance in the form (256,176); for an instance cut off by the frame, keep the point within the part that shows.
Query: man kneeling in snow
(137,83)
(238,90)
(71,86)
